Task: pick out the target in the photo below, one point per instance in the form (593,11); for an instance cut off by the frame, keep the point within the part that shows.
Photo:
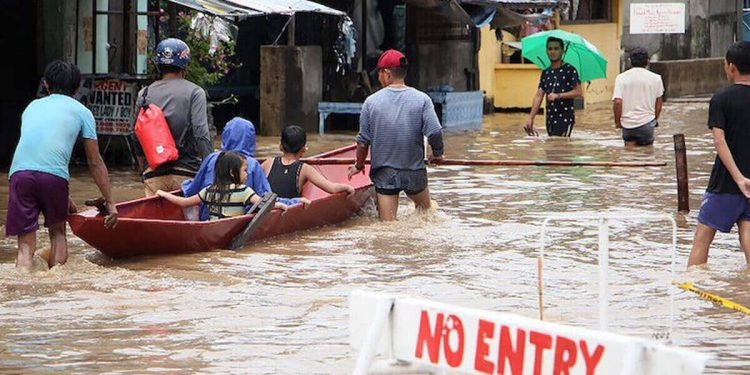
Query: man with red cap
(393,123)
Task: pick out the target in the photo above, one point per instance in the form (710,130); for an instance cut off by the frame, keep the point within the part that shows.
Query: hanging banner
(657,18)
(113,104)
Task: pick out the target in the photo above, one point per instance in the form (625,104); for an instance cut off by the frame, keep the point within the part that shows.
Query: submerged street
(280,306)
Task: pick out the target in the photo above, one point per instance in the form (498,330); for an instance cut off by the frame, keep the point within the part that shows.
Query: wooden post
(680,157)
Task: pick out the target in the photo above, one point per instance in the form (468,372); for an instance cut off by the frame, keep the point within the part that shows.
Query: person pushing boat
(39,172)
(393,123)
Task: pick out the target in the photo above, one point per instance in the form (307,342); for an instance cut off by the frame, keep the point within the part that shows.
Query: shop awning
(254,8)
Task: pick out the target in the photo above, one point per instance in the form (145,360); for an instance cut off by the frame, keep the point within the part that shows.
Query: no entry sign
(477,341)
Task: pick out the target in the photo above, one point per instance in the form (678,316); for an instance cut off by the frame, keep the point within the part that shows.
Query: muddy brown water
(280,306)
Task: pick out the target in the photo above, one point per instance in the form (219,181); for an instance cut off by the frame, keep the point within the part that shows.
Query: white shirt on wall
(638,88)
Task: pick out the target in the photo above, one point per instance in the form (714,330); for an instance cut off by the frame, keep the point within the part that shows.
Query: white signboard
(657,18)
(113,104)
(477,342)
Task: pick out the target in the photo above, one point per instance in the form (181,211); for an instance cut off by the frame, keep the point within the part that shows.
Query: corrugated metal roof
(517,4)
(512,4)
(252,8)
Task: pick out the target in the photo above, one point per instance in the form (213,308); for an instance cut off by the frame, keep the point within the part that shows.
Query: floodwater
(280,306)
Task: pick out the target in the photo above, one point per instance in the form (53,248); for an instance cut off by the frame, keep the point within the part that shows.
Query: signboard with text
(484,342)
(113,104)
(657,18)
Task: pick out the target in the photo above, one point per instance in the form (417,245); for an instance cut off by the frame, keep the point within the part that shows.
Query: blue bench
(458,110)
(326,108)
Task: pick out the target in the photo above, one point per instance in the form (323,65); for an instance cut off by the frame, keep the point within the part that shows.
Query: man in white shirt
(637,100)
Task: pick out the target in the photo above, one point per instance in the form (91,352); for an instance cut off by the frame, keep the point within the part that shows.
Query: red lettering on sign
(542,341)
(429,337)
(506,352)
(108,85)
(485,331)
(453,325)
(591,360)
(565,355)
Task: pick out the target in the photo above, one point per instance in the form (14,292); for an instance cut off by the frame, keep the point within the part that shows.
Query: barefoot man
(393,123)
(726,200)
(39,171)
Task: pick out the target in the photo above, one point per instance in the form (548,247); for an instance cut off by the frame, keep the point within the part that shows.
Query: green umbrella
(579,52)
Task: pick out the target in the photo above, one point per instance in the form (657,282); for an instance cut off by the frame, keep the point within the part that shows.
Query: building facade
(513,84)
(710,28)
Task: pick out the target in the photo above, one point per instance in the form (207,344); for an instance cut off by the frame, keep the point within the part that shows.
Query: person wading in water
(560,84)
(393,123)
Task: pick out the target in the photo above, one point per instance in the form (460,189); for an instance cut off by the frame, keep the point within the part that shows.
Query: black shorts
(642,135)
(560,129)
(391,181)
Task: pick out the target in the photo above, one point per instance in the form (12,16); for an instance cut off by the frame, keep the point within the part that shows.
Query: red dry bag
(153,134)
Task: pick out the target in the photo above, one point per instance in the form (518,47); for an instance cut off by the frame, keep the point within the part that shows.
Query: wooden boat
(153,226)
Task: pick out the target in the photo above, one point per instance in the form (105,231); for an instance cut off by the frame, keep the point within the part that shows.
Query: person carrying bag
(172,125)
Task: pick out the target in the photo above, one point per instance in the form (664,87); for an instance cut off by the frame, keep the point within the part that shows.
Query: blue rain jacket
(238,136)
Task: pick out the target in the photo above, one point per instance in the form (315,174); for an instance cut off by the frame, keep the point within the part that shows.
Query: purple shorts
(33,192)
(722,211)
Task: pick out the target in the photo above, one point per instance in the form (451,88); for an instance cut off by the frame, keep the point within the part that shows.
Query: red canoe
(153,226)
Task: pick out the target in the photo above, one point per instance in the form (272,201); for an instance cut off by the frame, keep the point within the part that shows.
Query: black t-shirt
(563,79)
(729,110)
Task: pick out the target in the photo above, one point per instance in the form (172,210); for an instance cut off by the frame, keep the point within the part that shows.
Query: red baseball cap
(392,59)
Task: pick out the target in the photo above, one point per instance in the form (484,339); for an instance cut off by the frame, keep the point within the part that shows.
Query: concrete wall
(710,28)
(58,32)
(290,88)
(440,51)
(690,77)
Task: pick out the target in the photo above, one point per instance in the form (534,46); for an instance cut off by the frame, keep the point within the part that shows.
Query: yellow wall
(489,55)
(606,37)
(514,85)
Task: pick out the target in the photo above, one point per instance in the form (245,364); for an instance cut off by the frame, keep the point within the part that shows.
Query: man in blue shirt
(39,171)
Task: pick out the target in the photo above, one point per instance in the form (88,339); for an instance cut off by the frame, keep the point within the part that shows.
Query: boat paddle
(264,207)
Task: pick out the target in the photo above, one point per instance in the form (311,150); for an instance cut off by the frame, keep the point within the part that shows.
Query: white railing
(603,219)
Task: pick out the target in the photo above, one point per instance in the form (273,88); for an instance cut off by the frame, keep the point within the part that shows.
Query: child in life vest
(228,196)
